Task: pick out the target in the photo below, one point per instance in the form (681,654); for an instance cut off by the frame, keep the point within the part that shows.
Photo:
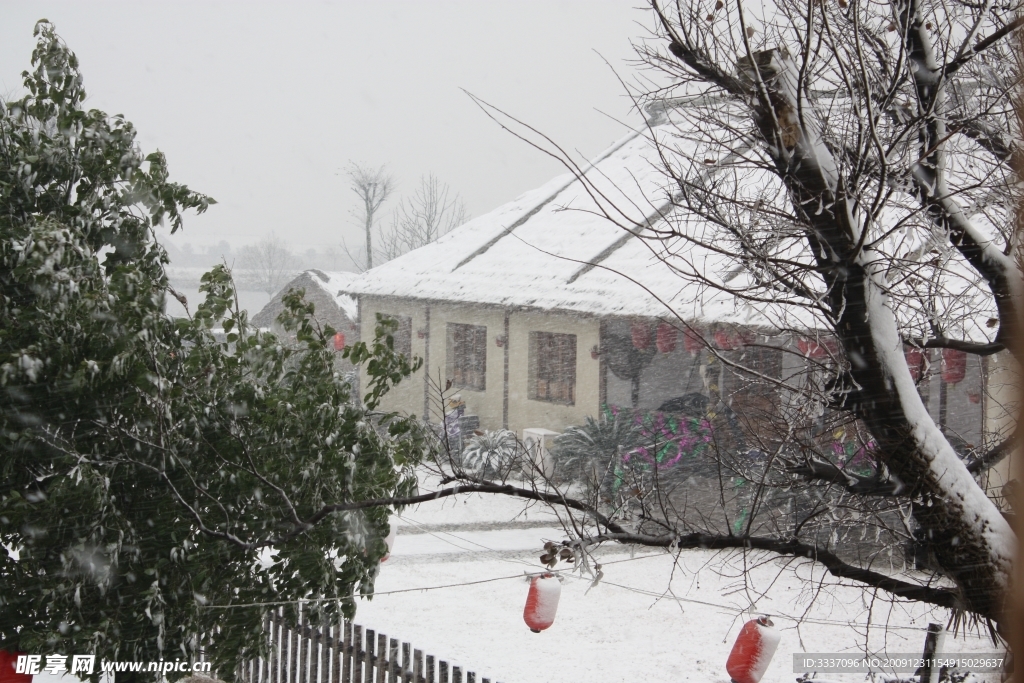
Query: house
(544,312)
(333,306)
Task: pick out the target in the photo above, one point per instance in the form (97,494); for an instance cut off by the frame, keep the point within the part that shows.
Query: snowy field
(455,587)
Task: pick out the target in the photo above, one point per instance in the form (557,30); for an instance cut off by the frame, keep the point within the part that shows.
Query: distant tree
(270,264)
(419,220)
(373,187)
(152,474)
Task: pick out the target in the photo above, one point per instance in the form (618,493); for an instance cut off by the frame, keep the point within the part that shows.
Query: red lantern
(339,341)
(954,365)
(692,341)
(915,361)
(641,336)
(729,341)
(8,668)
(753,651)
(542,602)
(389,541)
(666,338)
(817,349)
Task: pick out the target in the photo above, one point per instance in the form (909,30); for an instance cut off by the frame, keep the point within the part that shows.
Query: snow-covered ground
(455,587)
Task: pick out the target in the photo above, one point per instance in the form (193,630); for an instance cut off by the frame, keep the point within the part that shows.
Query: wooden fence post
(325,658)
(393,662)
(301,628)
(430,669)
(932,642)
(443,672)
(272,654)
(345,651)
(358,655)
(406,661)
(382,658)
(314,652)
(286,650)
(371,657)
(456,674)
(268,624)
(417,667)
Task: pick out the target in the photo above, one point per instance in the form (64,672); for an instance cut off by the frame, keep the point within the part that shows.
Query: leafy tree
(156,475)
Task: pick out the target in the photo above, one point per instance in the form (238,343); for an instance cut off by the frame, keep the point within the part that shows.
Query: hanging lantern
(729,341)
(641,336)
(542,602)
(389,541)
(915,361)
(692,341)
(8,668)
(954,365)
(753,651)
(666,338)
(817,348)
(339,341)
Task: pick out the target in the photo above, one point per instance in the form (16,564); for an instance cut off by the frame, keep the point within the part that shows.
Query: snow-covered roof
(552,249)
(339,285)
(334,288)
(608,240)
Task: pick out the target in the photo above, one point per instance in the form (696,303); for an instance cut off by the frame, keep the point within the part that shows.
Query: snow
(338,285)
(536,251)
(948,470)
(457,581)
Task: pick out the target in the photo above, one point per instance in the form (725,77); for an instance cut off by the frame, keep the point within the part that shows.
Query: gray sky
(262,104)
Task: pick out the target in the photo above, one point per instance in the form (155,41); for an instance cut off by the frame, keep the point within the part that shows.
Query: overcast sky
(262,104)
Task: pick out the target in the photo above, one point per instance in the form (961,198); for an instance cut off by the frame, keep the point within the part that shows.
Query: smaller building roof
(329,292)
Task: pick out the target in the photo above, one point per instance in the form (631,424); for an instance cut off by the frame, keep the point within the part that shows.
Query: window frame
(403,335)
(552,380)
(466,355)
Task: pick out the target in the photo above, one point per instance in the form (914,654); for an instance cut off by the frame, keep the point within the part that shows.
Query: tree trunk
(968,537)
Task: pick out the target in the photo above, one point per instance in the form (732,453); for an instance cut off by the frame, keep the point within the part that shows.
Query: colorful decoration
(727,340)
(674,436)
(753,651)
(915,361)
(641,334)
(339,341)
(666,338)
(692,341)
(817,348)
(542,602)
(954,365)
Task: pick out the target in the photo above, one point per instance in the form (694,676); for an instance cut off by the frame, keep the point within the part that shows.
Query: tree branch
(982,45)
(943,597)
(813,469)
(961,345)
(982,462)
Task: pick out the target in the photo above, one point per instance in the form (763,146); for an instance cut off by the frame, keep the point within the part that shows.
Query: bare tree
(269,264)
(844,170)
(419,220)
(373,187)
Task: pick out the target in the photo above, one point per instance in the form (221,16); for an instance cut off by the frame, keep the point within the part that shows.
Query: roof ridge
(532,212)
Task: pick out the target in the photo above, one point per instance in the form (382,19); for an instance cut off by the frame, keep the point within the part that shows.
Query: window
(467,356)
(403,335)
(553,367)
